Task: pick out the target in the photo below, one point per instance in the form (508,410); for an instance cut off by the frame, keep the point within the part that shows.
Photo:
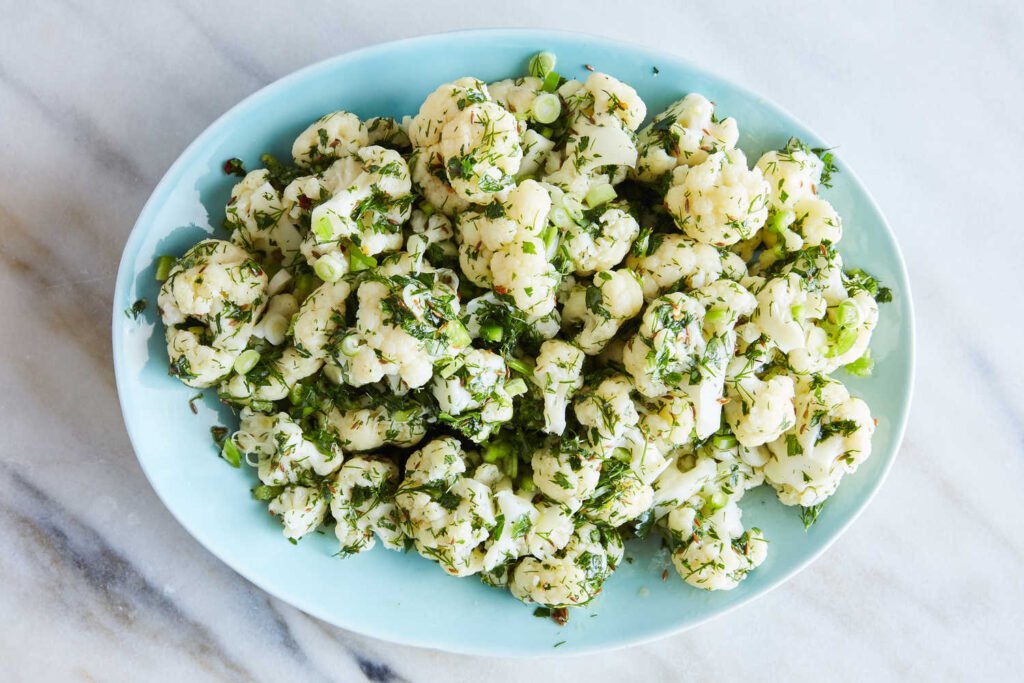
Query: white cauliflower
(551,531)
(515,517)
(409,326)
(502,247)
(209,304)
(333,136)
(257,218)
(368,428)
(472,394)
(362,504)
(366,214)
(668,420)
(301,509)
(668,345)
(573,575)
(719,201)
(621,494)
(448,515)
(566,475)
(666,260)
(386,132)
(831,437)
(607,411)
(758,411)
(284,455)
(516,94)
(602,307)
(558,374)
(475,140)
(600,245)
(312,326)
(684,134)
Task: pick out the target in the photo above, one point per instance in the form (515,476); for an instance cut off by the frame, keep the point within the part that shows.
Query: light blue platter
(402,597)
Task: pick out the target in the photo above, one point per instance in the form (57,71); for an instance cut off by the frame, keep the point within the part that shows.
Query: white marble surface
(98,98)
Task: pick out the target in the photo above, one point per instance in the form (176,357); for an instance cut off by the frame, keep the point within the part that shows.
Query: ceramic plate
(402,597)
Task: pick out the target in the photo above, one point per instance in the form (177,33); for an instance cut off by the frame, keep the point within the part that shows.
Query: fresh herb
(844,428)
(135,310)
(809,515)
(234,166)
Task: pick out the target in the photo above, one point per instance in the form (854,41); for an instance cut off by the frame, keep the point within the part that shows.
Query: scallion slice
(546,108)
(246,361)
(163,267)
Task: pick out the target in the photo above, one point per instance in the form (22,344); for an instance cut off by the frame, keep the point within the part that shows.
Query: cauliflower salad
(523,326)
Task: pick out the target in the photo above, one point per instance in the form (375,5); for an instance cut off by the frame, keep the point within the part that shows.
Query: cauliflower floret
(668,420)
(259,223)
(758,411)
(785,311)
(684,134)
(551,531)
(566,475)
(301,509)
(386,132)
(209,303)
(601,308)
(473,397)
(284,455)
(449,516)
(516,94)
(369,428)
(574,575)
(831,437)
(368,212)
(515,518)
(792,173)
(338,134)
(317,318)
(713,551)
(681,480)
(536,150)
(664,351)
(608,411)
(621,495)
(502,247)
(410,325)
(428,176)
(667,259)
(601,245)
(435,231)
(590,148)
(362,504)
(850,325)
(719,201)
(557,373)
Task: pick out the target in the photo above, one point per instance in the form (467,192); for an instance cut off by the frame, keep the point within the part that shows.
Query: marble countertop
(96,101)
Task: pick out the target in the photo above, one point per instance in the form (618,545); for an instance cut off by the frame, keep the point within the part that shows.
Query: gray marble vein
(97,99)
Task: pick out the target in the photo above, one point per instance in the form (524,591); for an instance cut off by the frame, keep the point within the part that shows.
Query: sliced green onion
(511,466)
(560,217)
(427,208)
(844,342)
(717,500)
(520,366)
(163,267)
(515,387)
(496,451)
(492,333)
(324,228)
(264,492)
(541,64)
(275,328)
(717,315)
(404,415)
(599,194)
(450,368)
(246,361)
(295,394)
(305,283)
(862,367)
(622,454)
(329,268)
(526,485)
(359,261)
(547,132)
(546,108)
(457,334)
(780,221)
(229,451)
(724,442)
(551,80)
(350,345)
(796,310)
(847,314)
